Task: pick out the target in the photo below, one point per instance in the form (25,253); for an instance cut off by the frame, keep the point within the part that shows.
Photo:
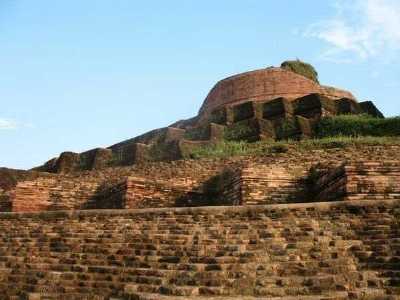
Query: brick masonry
(262,85)
(359,180)
(267,104)
(53,194)
(336,250)
(257,184)
(149,185)
(279,178)
(330,250)
(143,193)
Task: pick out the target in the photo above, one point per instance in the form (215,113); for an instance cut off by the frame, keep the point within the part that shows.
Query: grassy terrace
(331,132)
(228,149)
(358,125)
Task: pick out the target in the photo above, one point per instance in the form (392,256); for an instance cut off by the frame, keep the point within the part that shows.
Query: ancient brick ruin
(267,104)
(319,223)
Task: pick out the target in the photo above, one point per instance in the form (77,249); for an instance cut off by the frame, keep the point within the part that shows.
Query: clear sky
(82,74)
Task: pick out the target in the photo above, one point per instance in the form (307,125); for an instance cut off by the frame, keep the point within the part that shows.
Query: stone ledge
(320,206)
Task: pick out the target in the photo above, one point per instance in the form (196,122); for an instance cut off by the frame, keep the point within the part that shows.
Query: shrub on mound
(357,125)
(301,68)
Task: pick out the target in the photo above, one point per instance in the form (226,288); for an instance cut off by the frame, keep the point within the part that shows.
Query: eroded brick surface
(262,251)
(359,180)
(276,178)
(266,84)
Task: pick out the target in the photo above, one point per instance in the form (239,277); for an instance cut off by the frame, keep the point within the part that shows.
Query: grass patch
(301,68)
(231,148)
(241,131)
(288,129)
(222,149)
(357,125)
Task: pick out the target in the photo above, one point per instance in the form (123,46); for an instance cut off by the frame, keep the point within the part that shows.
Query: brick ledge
(321,206)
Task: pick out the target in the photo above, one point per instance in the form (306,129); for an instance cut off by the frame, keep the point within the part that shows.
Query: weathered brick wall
(330,251)
(9,178)
(359,180)
(5,203)
(271,184)
(274,178)
(164,183)
(230,192)
(144,193)
(262,85)
(258,184)
(53,194)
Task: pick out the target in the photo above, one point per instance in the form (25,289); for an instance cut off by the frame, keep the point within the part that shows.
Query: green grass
(230,148)
(288,129)
(241,131)
(301,68)
(357,125)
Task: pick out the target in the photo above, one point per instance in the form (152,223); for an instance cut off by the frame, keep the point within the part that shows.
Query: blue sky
(82,74)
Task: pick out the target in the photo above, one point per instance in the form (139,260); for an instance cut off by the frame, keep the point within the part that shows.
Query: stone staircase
(325,251)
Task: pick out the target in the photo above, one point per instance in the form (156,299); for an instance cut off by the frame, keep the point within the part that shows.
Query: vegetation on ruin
(218,116)
(241,131)
(288,129)
(243,111)
(357,125)
(241,148)
(199,133)
(301,68)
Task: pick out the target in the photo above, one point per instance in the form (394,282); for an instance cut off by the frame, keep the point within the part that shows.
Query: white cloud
(360,29)
(7,124)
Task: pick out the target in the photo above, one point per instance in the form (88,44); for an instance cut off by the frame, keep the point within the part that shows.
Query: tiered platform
(332,250)
(268,227)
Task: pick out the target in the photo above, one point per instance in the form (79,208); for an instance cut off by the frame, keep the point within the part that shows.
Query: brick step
(371,293)
(143,235)
(190,233)
(267,286)
(185,263)
(165,290)
(212,257)
(381,266)
(377,258)
(236,240)
(389,274)
(127,261)
(129,247)
(167,293)
(394,241)
(322,281)
(377,234)
(66,296)
(201,229)
(140,276)
(138,244)
(216,292)
(282,269)
(60,287)
(151,255)
(148,296)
